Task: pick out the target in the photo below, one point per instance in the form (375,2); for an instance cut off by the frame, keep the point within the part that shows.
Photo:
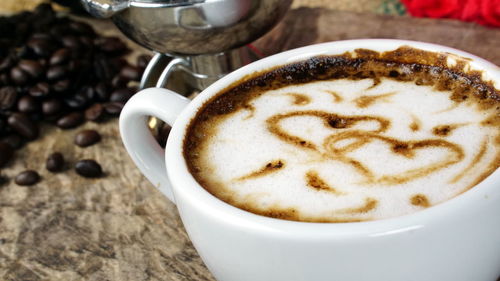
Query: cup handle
(137,138)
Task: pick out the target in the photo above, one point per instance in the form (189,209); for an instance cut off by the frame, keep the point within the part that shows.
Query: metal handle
(153,70)
(169,69)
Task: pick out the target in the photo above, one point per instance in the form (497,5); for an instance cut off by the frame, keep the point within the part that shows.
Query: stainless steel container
(191,27)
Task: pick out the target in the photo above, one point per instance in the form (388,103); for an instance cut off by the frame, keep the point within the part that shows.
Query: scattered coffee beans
(8,97)
(131,73)
(71,120)
(87,138)
(23,125)
(57,70)
(28,177)
(52,107)
(113,108)
(55,162)
(32,67)
(95,113)
(18,76)
(60,56)
(142,61)
(88,168)
(53,68)
(27,104)
(122,95)
(119,82)
(39,90)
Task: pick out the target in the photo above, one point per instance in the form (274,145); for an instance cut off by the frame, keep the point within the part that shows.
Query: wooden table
(120,227)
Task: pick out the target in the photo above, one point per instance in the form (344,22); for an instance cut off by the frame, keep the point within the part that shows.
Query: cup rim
(190,190)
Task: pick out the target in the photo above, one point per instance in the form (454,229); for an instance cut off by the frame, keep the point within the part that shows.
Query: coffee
(355,137)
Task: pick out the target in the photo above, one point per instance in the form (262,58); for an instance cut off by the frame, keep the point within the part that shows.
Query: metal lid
(166,3)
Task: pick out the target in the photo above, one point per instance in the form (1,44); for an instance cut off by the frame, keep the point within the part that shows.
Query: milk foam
(346,150)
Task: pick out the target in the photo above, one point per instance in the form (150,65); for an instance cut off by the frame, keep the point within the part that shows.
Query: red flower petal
(433,8)
(471,10)
(490,12)
(485,12)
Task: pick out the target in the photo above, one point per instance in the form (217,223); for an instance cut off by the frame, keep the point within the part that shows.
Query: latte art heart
(345,149)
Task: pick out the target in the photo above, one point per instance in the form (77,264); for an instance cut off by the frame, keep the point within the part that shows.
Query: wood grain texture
(120,227)
(67,227)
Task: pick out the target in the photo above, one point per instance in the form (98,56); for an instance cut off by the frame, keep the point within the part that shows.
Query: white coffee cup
(458,240)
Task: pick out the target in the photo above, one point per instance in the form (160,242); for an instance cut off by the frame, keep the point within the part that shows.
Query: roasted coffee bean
(82,28)
(119,81)
(60,56)
(41,89)
(58,31)
(95,112)
(87,138)
(102,91)
(28,177)
(103,69)
(7,62)
(55,162)
(131,73)
(18,76)
(77,101)
(44,10)
(88,168)
(24,52)
(27,104)
(14,140)
(86,41)
(88,92)
(8,97)
(32,67)
(6,152)
(122,95)
(41,35)
(113,108)
(41,47)
(118,63)
(4,79)
(70,120)
(52,107)
(71,42)
(23,125)
(61,86)
(57,72)
(110,44)
(142,61)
